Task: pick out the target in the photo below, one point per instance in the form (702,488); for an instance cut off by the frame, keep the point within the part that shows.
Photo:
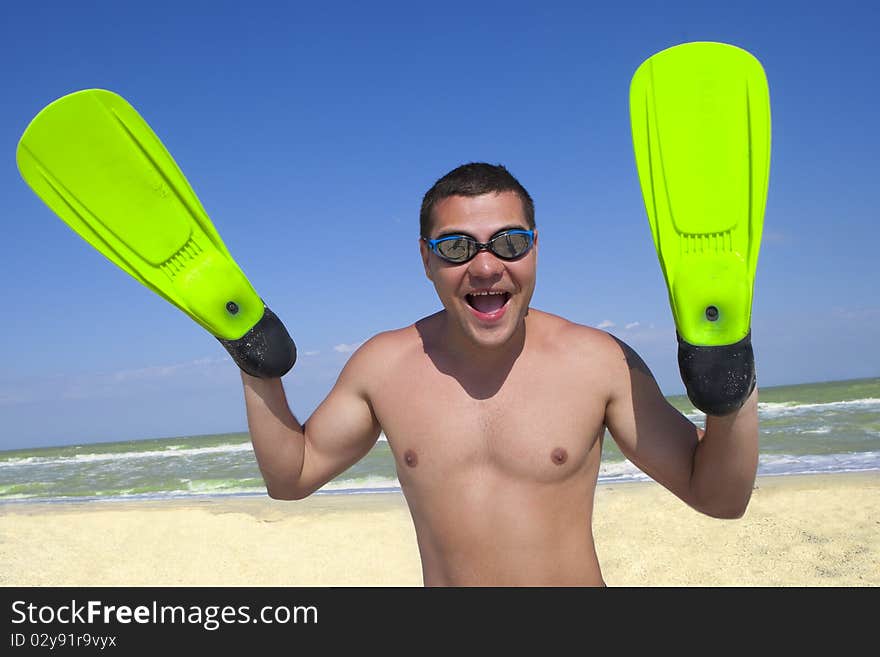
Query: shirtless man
(496,412)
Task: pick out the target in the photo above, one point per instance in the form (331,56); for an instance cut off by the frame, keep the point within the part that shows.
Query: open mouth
(488,303)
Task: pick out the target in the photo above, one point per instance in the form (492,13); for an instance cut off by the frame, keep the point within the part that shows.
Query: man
(496,412)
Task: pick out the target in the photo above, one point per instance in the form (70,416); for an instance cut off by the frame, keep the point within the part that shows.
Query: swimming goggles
(458,249)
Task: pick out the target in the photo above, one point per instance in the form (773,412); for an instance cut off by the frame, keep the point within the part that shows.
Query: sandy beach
(809,530)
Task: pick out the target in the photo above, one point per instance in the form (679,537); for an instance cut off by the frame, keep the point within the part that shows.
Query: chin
(491,337)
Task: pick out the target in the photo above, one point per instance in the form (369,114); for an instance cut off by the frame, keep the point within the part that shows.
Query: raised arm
(294,459)
(712,470)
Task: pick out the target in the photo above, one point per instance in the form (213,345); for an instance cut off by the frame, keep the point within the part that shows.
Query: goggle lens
(458,249)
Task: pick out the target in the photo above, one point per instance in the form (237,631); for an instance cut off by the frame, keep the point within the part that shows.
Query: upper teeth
(486,293)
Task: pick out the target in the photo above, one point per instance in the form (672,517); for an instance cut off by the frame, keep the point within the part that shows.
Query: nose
(485,265)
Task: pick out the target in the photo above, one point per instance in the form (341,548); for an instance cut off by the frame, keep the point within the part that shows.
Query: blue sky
(310,133)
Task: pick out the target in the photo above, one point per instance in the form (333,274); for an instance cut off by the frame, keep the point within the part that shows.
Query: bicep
(341,430)
(651,433)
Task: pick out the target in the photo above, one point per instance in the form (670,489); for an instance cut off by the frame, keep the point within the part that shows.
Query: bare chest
(538,425)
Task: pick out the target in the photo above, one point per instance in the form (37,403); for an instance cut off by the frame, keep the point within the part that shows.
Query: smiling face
(486,298)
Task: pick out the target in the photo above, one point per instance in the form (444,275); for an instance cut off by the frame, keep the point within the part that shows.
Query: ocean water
(810,428)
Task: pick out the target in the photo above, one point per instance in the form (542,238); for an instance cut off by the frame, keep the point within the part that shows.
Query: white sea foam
(230,486)
(360,483)
(617,471)
(6,463)
(773,464)
(768,464)
(775,409)
(772,410)
(175,452)
(191,488)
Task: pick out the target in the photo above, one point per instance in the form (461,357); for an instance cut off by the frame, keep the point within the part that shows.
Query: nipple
(411,459)
(559,456)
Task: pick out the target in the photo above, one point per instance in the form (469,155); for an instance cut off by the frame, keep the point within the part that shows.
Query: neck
(481,369)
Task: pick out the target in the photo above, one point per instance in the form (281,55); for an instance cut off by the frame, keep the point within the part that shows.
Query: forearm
(726,460)
(277,436)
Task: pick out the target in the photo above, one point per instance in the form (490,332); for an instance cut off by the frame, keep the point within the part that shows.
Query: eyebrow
(455,233)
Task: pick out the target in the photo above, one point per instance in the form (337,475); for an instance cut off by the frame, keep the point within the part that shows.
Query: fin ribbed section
(180,260)
(700,243)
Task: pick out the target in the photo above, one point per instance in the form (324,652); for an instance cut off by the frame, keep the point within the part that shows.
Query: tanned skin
(496,426)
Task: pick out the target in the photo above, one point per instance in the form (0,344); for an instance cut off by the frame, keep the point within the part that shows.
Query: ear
(426,254)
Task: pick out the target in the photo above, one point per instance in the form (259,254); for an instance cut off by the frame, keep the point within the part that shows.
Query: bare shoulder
(555,331)
(380,353)
(585,344)
(388,345)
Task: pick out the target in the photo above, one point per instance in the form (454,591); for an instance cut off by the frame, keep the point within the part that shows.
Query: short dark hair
(474,179)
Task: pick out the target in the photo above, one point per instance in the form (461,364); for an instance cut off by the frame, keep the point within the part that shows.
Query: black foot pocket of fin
(266,351)
(718,379)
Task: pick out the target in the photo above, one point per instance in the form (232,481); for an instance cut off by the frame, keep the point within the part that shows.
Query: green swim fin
(701,131)
(98,165)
